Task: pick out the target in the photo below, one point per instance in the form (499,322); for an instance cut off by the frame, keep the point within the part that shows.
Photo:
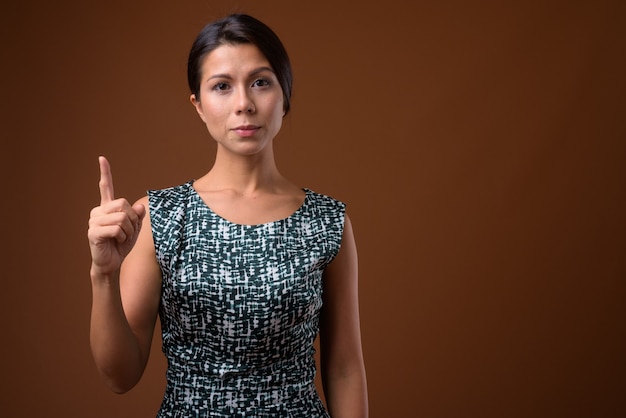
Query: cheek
(276,107)
(214,113)
(215,122)
(276,122)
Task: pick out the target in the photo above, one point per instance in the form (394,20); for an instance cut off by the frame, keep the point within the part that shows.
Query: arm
(343,370)
(126,287)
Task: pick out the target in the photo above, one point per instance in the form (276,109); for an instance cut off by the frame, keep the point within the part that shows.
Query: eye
(261,82)
(221,86)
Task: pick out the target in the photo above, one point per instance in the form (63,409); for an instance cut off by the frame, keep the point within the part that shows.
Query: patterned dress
(240,306)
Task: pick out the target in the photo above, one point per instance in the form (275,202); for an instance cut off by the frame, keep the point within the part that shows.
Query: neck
(243,175)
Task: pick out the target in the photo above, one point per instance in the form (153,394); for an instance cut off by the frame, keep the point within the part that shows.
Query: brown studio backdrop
(479,147)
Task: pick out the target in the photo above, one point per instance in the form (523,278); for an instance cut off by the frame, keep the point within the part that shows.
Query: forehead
(233,59)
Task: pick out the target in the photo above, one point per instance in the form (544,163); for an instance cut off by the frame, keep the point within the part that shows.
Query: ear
(198,106)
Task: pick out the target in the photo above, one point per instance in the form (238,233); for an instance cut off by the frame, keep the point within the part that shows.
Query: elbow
(118,373)
(119,389)
(118,384)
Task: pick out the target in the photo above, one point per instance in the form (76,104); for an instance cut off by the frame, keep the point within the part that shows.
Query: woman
(242,266)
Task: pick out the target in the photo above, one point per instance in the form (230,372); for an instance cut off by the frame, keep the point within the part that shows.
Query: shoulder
(168,203)
(171,197)
(169,193)
(323,201)
(328,213)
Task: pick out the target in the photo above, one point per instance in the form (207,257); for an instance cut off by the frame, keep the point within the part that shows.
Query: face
(241,101)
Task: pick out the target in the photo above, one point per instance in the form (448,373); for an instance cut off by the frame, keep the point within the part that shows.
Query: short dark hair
(240,29)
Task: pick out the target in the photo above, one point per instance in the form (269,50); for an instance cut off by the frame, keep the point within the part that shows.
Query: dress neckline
(194,192)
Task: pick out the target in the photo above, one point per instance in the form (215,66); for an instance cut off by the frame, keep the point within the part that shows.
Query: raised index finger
(106,181)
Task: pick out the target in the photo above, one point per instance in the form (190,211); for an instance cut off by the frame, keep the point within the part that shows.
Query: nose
(244,102)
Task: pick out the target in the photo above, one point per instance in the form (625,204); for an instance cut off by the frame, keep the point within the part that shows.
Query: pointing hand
(113,226)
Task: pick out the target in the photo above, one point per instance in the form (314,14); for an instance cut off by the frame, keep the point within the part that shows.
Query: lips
(246,130)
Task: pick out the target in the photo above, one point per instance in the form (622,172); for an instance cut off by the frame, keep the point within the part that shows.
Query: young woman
(243,267)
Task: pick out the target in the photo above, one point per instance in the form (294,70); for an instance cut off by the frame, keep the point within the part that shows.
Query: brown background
(480,147)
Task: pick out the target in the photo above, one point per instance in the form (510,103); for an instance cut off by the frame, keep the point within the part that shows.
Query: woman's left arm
(343,370)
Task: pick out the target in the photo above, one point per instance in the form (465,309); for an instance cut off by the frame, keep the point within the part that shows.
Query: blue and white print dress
(240,306)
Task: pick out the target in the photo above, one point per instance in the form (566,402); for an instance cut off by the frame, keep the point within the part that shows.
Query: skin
(241,103)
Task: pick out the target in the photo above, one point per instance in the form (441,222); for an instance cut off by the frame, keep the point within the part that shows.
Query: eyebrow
(252,73)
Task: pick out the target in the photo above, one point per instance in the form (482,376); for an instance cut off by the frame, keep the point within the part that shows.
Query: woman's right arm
(126,286)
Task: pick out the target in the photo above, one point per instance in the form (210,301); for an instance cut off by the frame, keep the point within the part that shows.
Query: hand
(113,226)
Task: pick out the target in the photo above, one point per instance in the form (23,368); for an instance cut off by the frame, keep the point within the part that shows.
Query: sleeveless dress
(240,306)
